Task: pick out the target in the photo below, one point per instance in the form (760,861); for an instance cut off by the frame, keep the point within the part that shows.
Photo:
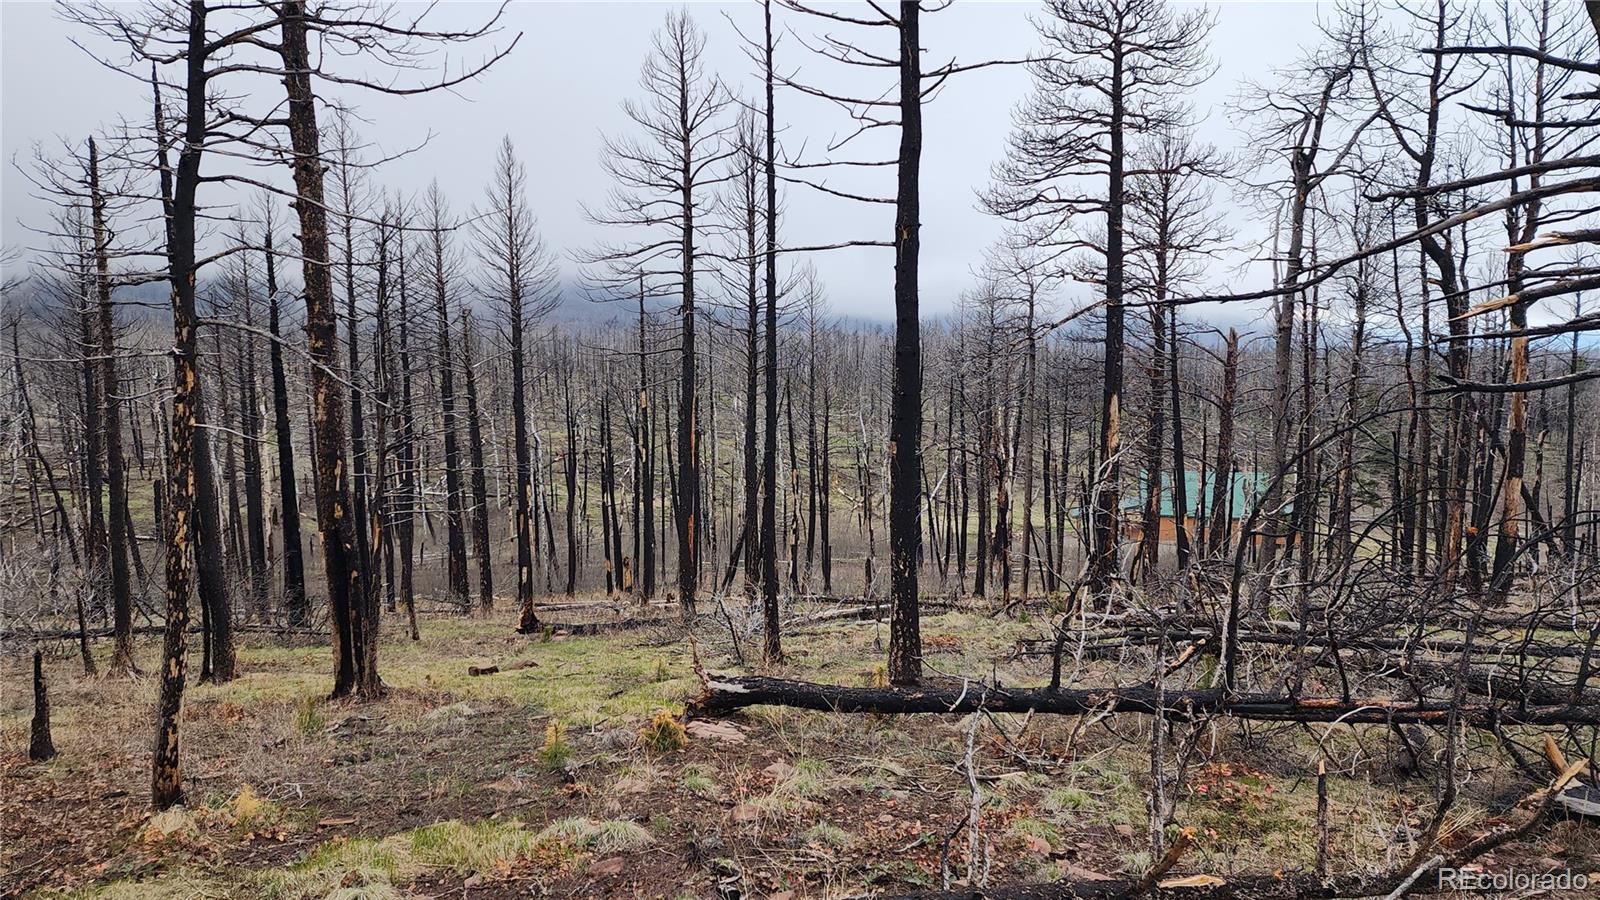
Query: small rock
(726,732)
(1082,874)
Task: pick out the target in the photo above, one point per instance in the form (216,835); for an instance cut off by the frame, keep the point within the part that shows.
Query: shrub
(308,720)
(664,733)
(556,752)
(250,812)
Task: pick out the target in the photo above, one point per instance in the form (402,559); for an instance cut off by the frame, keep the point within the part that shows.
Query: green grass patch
(466,848)
(827,834)
(362,867)
(699,781)
(602,836)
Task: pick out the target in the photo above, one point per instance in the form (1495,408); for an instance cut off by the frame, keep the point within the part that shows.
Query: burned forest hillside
(1075,449)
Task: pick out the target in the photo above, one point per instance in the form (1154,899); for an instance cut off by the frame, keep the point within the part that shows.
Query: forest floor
(549,778)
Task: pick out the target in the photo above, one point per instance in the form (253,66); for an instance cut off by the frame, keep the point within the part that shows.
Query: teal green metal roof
(1247,488)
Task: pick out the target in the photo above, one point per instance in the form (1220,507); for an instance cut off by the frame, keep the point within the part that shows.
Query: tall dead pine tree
(121,590)
(520,280)
(1115,70)
(375,32)
(662,188)
(295,602)
(354,665)
(439,275)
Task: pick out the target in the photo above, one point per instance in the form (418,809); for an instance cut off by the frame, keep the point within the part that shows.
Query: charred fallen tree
(608,626)
(63,634)
(1501,674)
(1110,643)
(726,693)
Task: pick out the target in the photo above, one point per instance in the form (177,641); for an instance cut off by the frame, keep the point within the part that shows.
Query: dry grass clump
(602,836)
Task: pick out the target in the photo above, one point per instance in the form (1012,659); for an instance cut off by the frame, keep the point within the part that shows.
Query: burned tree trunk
(725,693)
(121,591)
(295,602)
(212,587)
(1155,442)
(1108,486)
(519,278)
(166,775)
(688,476)
(772,645)
(254,502)
(905,414)
(1180,475)
(480,478)
(572,483)
(354,647)
(455,501)
(644,463)
(1221,528)
(361,486)
(40,746)
(92,472)
(749,214)
(405,526)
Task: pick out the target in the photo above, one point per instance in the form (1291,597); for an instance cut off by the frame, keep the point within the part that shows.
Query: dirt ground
(561,776)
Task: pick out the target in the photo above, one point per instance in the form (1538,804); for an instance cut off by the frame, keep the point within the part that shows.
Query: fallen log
(578,604)
(842,614)
(863,613)
(476,671)
(1112,642)
(1488,682)
(590,629)
(726,693)
(62,634)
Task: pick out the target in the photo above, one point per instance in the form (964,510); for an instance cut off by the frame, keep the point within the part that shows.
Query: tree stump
(40,747)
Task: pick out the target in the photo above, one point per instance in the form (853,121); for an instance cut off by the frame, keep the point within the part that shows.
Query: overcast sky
(560,90)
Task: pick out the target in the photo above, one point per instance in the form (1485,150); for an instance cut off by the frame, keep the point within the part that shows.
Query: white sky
(561,88)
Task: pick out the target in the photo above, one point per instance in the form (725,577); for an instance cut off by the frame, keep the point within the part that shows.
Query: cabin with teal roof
(1245,490)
